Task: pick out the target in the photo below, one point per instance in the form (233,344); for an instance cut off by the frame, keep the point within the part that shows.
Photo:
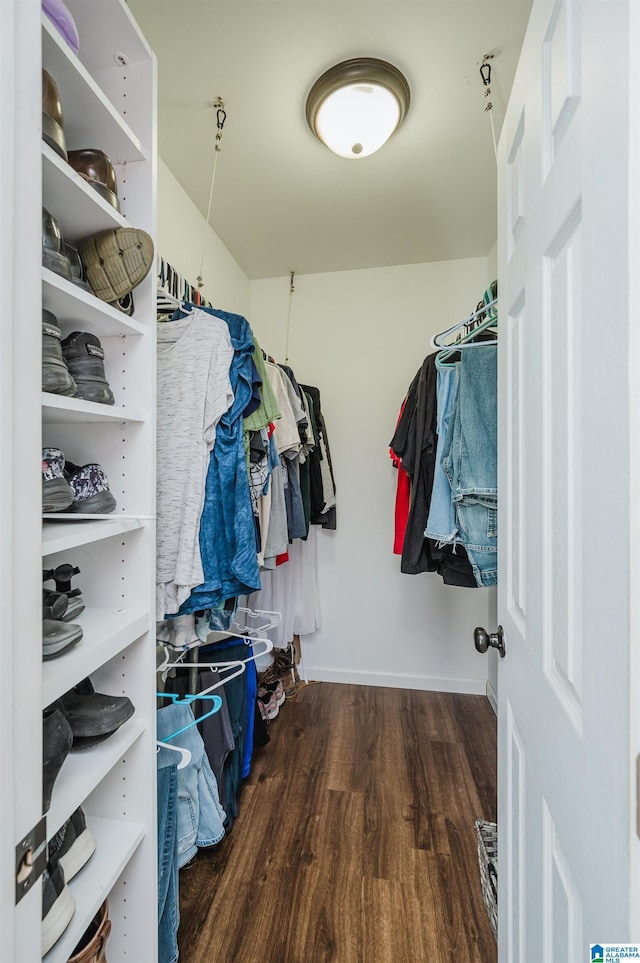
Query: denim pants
(236,692)
(168,904)
(200,815)
(441,523)
(471,463)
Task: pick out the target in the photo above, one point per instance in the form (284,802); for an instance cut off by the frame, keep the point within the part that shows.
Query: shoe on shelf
(93,716)
(55,374)
(62,576)
(267,704)
(91,948)
(73,845)
(57,738)
(54,605)
(58,906)
(59,637)
(61,606)
(91,494)
(84,357)
(116,261)
(57,493)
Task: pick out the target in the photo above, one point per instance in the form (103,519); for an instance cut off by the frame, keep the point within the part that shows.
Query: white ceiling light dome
(355,106)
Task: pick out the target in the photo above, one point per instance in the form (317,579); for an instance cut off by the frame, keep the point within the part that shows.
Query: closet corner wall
(112,108)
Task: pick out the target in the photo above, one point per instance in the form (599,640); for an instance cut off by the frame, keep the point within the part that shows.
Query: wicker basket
(488,859)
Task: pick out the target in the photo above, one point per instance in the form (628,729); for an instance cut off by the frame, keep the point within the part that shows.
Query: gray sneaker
(91,493)
(55,374)
(57,493)
(84,358)
(59,637)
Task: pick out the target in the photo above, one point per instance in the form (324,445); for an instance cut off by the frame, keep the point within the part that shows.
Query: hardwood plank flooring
(355,841)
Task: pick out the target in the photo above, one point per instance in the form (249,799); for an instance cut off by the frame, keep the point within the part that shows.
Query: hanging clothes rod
(174,289)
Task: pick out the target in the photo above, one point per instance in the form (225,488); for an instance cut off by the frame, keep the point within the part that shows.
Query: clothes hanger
(185,755)
(437,340)
(187,700)
(489,309)
(169,663)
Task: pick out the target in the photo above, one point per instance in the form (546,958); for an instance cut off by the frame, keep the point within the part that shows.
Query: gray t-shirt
(194,391)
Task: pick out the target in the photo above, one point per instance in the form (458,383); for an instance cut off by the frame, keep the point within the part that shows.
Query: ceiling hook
(485,73)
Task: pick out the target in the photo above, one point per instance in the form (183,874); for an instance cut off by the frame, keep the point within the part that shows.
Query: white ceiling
(282,201)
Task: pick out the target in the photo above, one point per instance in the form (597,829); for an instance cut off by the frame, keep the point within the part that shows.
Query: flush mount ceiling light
(355,107)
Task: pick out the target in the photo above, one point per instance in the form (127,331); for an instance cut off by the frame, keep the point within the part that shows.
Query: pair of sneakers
(72,488)
(270,697)
(68,851)
(73,367)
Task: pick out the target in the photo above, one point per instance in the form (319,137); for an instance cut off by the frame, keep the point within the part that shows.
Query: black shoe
(61,606)
(57,738)
(84,358)
(93,716)
(58,906)
(62,576)
(73,845)
(55,374)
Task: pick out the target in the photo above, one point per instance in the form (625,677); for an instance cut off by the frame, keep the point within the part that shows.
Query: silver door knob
(494,640)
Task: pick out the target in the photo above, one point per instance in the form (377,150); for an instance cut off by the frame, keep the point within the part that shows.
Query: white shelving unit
(110,106)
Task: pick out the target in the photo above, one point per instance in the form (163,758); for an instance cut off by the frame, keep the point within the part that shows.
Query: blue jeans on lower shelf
(168,904)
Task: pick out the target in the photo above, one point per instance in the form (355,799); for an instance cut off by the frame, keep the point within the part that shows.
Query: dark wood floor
(355,841)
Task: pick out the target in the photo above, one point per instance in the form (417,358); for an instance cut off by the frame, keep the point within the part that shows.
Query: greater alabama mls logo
(614,952)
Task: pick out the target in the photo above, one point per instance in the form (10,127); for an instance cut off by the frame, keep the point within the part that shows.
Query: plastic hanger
(184,753)
(468,341)
(187,700)
(239,664)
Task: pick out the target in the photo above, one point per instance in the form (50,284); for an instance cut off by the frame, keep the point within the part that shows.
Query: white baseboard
(394,681)
(492,696)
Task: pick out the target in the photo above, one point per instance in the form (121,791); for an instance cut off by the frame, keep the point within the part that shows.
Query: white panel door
(564,785)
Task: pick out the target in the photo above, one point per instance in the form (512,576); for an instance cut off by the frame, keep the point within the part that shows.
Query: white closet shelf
(60,410)
(107,632)
(90,119)
(79,210)
(83,770)
(61,536)
(74,307)
(106,28)
(116,842)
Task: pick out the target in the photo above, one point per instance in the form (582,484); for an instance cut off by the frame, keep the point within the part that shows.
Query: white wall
(360,336)
(181,228)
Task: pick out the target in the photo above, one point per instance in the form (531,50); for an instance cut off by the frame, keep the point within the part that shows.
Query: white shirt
(194,391)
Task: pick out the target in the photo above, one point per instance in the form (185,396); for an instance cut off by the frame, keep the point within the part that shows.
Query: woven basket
(487,834)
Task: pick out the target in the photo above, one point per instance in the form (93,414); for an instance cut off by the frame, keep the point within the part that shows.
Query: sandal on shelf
(62,576)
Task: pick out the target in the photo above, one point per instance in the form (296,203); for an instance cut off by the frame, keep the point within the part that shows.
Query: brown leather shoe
(91,948)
